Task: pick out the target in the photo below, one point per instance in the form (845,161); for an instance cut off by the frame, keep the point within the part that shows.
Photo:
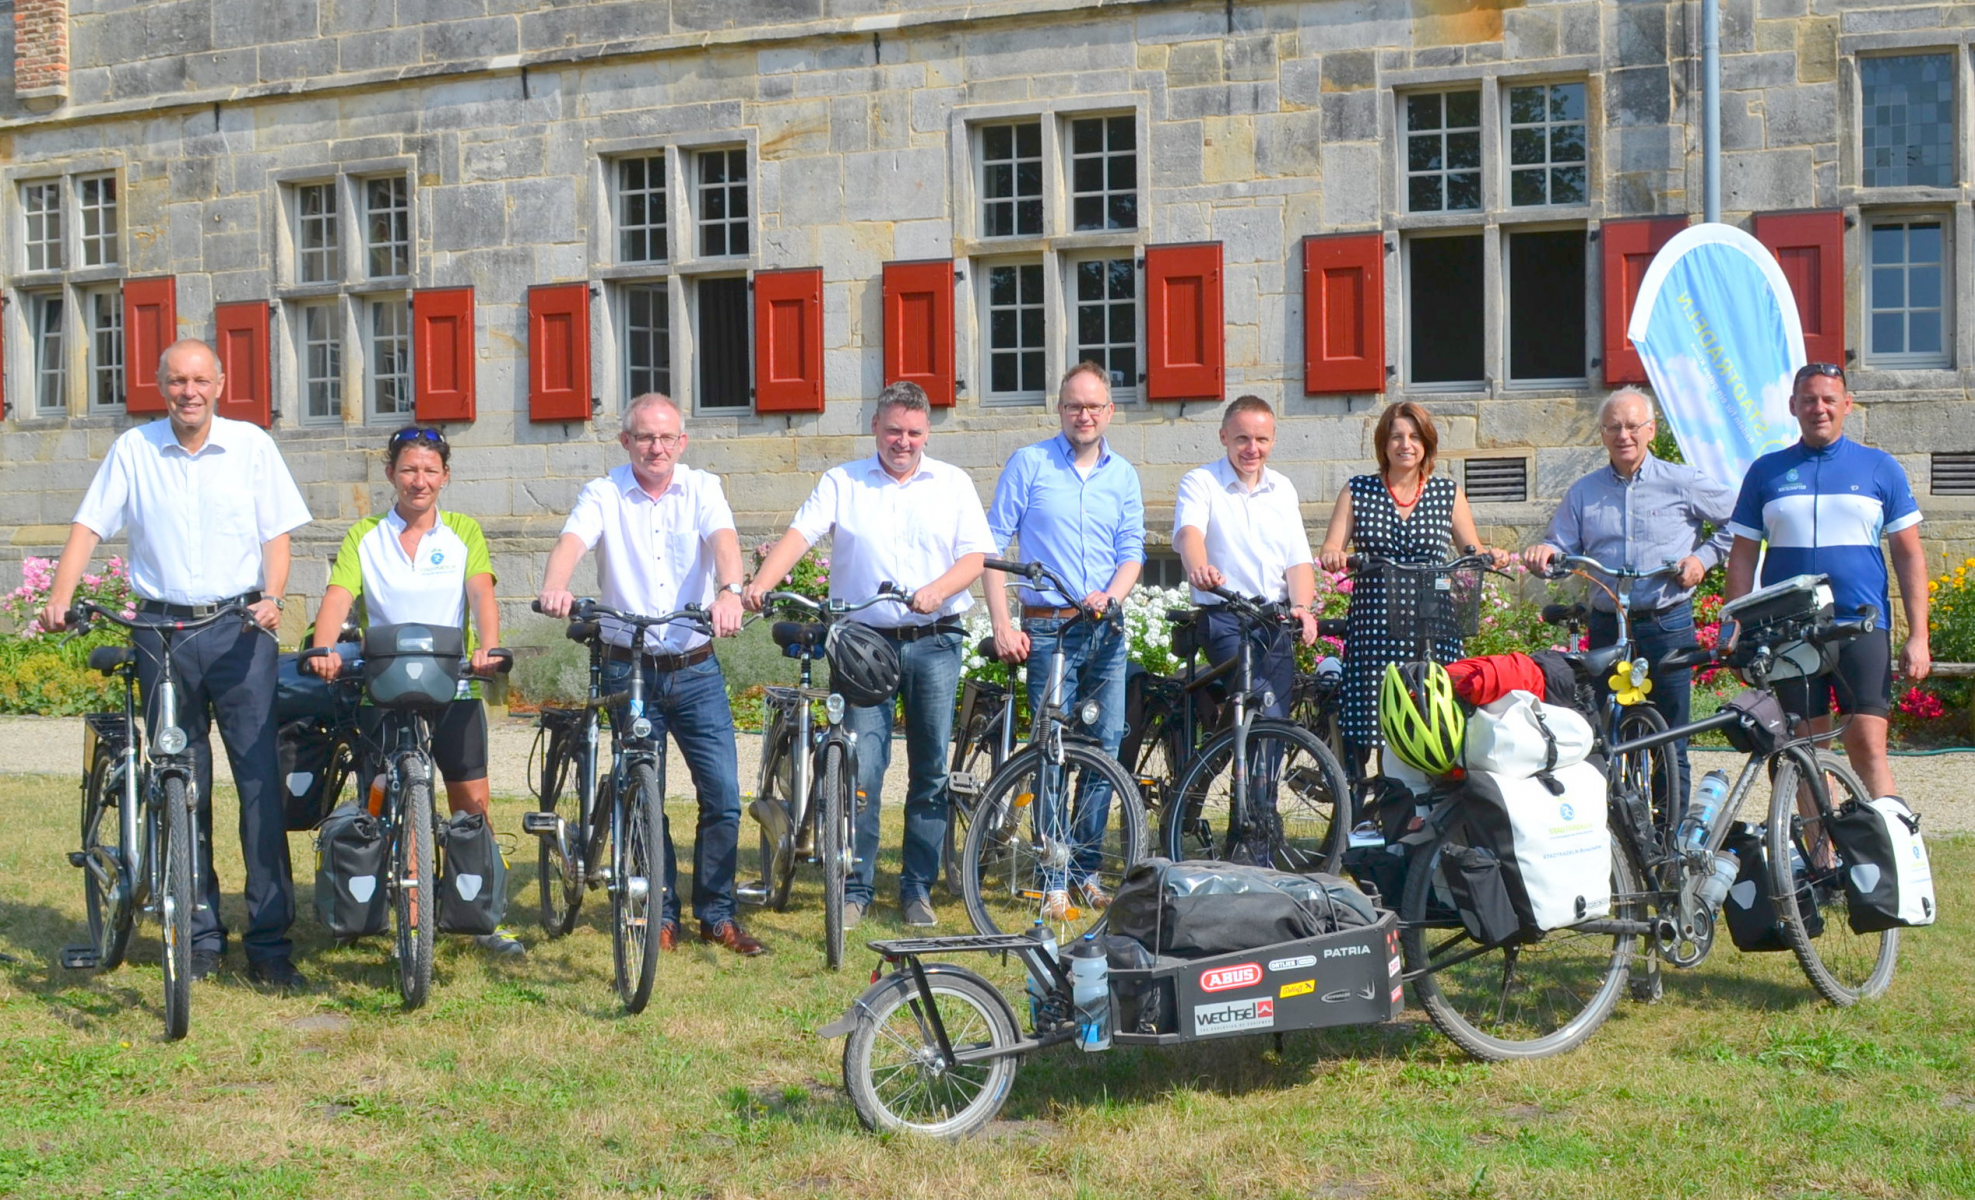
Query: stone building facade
(769,207)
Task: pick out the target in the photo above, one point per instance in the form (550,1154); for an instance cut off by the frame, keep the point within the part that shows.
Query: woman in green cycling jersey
(414,563)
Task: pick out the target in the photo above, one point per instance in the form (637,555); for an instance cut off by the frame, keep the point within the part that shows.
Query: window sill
(302,293)
(1526,387)
(1888,381)
(739,264)
(1467,220)
(635,272)
(1015,400)
(1533,213)
(1008,247)
(1882,197)
(91,276)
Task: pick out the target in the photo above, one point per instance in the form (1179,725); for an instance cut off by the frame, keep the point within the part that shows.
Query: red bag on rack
(1488,678)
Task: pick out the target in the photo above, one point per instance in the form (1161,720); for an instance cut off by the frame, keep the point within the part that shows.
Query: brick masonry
(1262,123)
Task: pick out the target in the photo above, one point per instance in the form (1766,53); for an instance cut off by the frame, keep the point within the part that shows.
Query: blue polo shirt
(1824,512)
(1082,527)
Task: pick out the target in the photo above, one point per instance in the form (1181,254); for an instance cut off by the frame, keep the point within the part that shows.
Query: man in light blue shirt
(1073,505)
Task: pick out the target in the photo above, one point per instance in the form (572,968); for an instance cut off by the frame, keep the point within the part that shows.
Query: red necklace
(1403,504)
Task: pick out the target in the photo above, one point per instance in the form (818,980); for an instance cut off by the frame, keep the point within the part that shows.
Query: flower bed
(46,673)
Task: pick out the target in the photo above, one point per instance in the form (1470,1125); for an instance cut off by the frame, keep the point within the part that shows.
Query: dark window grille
(1953,474)
(1500,480)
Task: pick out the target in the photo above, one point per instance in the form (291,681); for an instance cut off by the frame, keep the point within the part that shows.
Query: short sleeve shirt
(1824,512)
(654,555)
(1254,536)
(424,587)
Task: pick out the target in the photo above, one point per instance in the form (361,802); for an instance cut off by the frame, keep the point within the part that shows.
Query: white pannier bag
(1888,880)
(1517,735)
(1549,833)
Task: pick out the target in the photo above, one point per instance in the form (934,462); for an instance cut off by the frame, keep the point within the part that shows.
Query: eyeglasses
(1811,370)
(664,441)
(1614,428)
(418,433)
(1083,410)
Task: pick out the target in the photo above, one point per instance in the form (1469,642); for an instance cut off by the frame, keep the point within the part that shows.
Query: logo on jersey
(1791,475)
(438,556)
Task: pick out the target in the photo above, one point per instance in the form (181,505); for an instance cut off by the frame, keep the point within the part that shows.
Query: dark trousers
(1672,629)
(1274,659)
(225,674)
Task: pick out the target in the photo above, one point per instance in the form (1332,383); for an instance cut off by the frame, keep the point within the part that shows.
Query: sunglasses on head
(1828,370)
(418,433)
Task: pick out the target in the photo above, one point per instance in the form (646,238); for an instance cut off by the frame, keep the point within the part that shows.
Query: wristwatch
(735,588)
(278,602)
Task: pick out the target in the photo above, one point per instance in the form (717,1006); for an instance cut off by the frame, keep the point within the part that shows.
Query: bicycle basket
(1433,604)
(412,666)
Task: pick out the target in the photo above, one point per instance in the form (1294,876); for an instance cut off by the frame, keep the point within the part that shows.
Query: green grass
(525,1080)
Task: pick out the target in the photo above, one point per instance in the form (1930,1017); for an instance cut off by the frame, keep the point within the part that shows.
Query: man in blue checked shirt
(1073,505)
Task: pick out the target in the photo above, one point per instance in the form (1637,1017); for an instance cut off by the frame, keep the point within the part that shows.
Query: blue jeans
(1094,662)
(691,704)
(929,671)
(1672,629)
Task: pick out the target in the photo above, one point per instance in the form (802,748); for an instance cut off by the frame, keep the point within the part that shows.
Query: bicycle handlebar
(1037,572)
(833,608)
(587,608)
(79,618)
(1564,564)
(1359,562)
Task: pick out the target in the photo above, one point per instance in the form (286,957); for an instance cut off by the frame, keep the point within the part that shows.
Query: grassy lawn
(525,1079)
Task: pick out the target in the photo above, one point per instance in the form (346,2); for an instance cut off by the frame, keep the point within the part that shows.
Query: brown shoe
(731,935)
(668,936)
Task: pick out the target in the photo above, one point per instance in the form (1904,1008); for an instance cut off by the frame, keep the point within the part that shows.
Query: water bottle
(1040,985)
(1702,811)
(1090,987)
(1715,887)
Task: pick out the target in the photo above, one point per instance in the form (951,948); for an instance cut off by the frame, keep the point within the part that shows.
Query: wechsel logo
(1220,979)
(1230,1015)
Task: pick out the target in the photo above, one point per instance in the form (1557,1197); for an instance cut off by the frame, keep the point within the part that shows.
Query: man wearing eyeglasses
(667,540)
(1823,505)
(1639,511)
(1074,505)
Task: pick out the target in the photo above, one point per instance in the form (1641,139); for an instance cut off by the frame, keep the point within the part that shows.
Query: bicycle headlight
(171,740)
(1089,713)
(833,708)
(1268,699)
(641,727)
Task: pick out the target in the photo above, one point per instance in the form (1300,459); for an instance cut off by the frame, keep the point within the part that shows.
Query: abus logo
(1346,951)
(1230,1015)
(1220,979)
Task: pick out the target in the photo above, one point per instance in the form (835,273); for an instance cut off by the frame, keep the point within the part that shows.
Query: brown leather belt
(662,662)
(1038,612)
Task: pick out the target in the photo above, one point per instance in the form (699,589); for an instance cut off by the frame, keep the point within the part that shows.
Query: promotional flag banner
(1718,331)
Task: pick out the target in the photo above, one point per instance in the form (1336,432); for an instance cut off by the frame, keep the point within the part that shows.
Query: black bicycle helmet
(863,664)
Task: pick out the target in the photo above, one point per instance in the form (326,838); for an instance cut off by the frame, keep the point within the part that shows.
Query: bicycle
(1060,821)
(616,840)
(143,857)
(805,809)
(402,750)
(1229,803)
(984,736)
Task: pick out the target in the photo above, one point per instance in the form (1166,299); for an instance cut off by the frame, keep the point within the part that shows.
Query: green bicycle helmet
(1420,718)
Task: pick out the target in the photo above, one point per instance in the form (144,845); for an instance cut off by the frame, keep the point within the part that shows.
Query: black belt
(192,612)
(912,633)
(662,662)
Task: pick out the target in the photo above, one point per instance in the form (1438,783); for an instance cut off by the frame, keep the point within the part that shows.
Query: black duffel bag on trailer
(1200,909)
(472,876)
(1888,881)
(350,900)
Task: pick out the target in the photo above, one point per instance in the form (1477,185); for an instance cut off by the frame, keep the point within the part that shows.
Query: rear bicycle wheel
(175,903)
(111,916)
(833,844)
(1806,880)
(892,1064)
(414,887)
(1075,827)
(1297,810)
(1650,773)
(976,754)
(775,857)
(1520,1000)
(559,882)
(637,894)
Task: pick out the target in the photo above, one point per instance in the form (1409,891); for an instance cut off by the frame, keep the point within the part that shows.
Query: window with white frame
(319,353)
(1103,172)
(387,355)
(347,321)
(1907,127)
(647,325)
(387,226)
(1548,149)
(105,308)
(1906,292)
(96,204)
(1104,299)
(1017,325)
(1011,179)
(73,323)
(722,202)
(318,240)
(41,233)
(641,213)
(47,313)
(1443,151)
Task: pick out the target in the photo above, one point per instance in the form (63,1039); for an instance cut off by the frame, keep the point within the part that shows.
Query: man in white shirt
(1237,525)
(898,517)
(207,506)
(667,540)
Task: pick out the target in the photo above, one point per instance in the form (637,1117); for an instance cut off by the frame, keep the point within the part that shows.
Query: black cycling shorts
(459,738)
(1861,683)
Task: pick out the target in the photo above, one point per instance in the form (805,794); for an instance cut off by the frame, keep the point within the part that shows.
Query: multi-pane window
(387,225)
(641,208)
(41,205)
(387,367)
(96,205)
(318,251)
(1443,151)
(1011,180)
(1103,173)
(319,348)
(723,206)
(1015,330)
(105,348)
(1445,300)
(51,377)
(1907,104)
(647,339)
(1546,308)
(1906,293)
(1547,145)
(1106,304)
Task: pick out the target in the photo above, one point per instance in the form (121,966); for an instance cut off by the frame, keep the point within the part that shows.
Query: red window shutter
(1183,328)
(240,340)
(1344,314)
(442,354)
(150,323)
(1629,250)
(919,327)
(788,340)
(1811,248)
(559,352)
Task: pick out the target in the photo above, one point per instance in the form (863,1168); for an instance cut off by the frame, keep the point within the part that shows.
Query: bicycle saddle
(581,631)
(108,659)
(1600,662)
(799,633)
(1563,614)
(985,648)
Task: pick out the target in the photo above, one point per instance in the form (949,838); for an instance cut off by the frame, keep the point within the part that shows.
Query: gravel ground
(1936,785)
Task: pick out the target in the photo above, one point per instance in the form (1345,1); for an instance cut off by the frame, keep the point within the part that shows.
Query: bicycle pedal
(540,823)
(751,893)
(80,958)
(78,858)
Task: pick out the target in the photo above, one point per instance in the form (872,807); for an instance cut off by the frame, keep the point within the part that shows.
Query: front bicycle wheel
(1524,999)
(834,843)
(1051,841)
(105,859)
(893,1069)
(1649,773)
(976,754)
(637,897)
(175,904)
(414,891)
(559,882)
(1295,816)
(1806,880)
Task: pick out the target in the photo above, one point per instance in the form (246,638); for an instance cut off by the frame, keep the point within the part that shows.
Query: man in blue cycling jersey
(1823,505)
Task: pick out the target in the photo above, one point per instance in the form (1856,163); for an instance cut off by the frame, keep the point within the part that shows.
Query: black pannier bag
(1888,880)
(1200,909)
(412,666)
(1751,914)
(1568,682)
(1481,896)
(303,695)
(472,876)
(306,751)
(350,899)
